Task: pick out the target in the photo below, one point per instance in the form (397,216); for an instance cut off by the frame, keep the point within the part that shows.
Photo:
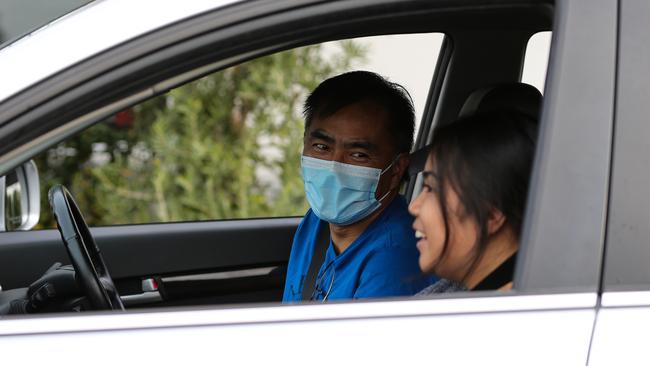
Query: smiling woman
(470,211)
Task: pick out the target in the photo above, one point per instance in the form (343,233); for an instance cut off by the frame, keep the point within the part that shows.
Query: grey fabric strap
(320,248)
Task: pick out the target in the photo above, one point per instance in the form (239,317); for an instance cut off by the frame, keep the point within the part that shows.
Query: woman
(469,214)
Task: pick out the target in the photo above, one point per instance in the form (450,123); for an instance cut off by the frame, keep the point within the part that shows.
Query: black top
(500,276)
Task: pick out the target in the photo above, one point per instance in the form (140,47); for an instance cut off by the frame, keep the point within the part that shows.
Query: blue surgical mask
(339,193)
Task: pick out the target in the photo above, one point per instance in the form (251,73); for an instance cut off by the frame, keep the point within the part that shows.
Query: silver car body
(536,327)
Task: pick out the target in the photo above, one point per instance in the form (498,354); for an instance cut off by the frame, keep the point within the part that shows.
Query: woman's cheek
(430,251)
(431,219)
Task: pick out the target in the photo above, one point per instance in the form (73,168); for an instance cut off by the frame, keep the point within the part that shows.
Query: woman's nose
(414,206)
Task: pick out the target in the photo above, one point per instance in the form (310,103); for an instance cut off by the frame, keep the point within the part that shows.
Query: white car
(581,283)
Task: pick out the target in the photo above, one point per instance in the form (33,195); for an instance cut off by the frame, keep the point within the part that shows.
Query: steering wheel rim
(91,270)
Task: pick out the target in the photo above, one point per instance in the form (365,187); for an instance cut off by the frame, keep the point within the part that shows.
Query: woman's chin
(425,265)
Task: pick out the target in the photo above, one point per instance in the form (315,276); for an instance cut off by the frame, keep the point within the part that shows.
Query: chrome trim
(30,196)
(29,179)
(625,298)
(35,146)
(222,275)
(143,298)
(295,313)
(149,285)
(24,195)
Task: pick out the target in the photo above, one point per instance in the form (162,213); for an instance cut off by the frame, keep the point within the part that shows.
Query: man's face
(357,134)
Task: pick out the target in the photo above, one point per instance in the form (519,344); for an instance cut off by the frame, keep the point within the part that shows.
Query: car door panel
(210,260)
(383,333)
(623,320)
(620,335)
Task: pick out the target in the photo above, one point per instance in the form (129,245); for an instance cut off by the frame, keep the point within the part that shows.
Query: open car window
(226,146)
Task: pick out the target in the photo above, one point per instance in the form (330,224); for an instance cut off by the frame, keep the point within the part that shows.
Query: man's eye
(359,155)
(321,147)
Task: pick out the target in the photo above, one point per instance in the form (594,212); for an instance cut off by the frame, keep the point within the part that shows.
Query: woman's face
(429,225)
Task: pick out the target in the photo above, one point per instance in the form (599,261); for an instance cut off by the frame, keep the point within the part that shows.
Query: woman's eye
(429,188)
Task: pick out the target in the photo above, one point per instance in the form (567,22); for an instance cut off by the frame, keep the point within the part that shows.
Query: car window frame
(536,277)
(570,117)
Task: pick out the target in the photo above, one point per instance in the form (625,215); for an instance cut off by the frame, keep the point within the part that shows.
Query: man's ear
(398,170)
(496,221)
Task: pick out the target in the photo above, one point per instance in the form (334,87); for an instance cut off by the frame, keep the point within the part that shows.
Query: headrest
(520,97)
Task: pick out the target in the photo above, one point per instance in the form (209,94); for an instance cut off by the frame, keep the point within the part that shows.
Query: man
(358,135)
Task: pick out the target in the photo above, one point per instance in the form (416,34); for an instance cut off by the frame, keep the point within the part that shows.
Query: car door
(558,271)
(624,314)
(239,258)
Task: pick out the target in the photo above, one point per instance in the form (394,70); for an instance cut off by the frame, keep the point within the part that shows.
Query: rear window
(536,60)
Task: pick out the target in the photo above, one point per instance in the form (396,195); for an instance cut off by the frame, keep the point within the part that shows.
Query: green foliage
(225,146)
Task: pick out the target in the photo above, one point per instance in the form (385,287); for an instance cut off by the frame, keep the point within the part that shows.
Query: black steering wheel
(91,272)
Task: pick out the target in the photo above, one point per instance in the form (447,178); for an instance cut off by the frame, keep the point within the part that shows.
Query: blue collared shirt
(381,262)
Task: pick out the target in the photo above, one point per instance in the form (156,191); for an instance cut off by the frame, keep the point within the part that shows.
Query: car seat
(520,97)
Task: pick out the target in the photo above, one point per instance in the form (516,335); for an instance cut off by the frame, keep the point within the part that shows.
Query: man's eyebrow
(321,135)
(361,144)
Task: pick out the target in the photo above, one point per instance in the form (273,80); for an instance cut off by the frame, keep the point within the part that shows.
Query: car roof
(85,32)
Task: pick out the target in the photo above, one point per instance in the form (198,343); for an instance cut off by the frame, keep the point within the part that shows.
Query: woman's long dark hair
(486,159)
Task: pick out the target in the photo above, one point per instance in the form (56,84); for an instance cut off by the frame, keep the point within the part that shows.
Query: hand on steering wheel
(92,274)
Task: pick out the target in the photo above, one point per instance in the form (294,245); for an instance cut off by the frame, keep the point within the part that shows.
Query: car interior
(239,259)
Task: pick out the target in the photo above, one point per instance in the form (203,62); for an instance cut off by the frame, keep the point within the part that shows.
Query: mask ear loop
(391,164)
(384,171)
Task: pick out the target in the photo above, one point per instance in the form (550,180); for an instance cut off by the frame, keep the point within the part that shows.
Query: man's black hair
(352,87)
